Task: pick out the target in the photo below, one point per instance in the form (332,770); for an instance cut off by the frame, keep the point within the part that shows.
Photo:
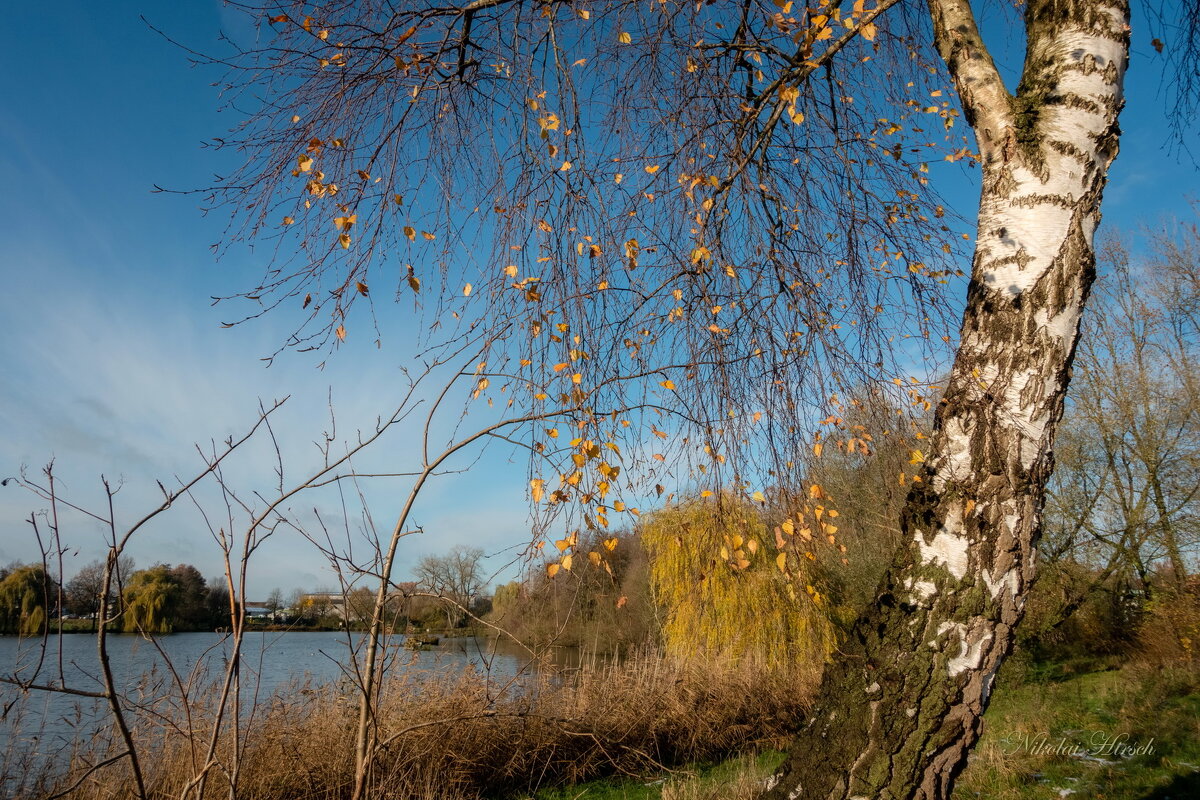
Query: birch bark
(897,717)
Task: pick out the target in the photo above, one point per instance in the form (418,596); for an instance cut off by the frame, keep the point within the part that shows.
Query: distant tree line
(161,599)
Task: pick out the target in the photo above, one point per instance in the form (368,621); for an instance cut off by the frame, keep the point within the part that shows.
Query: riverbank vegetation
(708,624)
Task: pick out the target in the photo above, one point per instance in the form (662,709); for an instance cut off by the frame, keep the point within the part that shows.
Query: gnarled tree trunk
(897,717)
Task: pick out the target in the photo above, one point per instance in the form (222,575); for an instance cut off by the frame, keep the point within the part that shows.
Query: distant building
(258,611)
(323,604)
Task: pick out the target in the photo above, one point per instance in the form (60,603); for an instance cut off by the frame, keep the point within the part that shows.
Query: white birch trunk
(898,716)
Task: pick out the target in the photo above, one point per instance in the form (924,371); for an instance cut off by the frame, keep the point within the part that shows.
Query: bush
(1170,629)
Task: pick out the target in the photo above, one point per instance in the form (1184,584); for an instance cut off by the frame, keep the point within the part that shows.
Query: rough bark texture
(901,710)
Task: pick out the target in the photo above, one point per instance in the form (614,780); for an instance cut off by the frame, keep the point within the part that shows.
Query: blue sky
(114,359)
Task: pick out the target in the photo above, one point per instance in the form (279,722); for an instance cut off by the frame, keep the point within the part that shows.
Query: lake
(43,726)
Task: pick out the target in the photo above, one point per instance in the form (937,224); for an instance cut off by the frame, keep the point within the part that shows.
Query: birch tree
(728,206)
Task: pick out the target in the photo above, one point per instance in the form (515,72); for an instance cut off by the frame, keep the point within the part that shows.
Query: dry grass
(466,735)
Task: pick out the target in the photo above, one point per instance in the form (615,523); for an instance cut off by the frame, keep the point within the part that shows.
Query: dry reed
(468,735)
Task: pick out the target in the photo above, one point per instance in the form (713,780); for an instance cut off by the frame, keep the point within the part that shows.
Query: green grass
(1048,736)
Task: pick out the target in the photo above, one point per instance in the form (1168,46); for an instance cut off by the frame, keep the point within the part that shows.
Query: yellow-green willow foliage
(24,595)
(715,572)
(151,601)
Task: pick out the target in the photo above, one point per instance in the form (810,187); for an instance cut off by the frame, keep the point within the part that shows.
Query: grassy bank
(1130,733)
(1123,734)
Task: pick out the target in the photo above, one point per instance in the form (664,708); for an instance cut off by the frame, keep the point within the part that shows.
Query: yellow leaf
(295,118)
(788,527)
(567,561)
(467,290)
(594,558)
(781,562)
(701,253)
(624,37)
(429,237)
(868,31)
(414,282)
(916,457)
(289,221)
(653,169)
(341,332)
(566,165)
(305,163)
(752,546)
(344,241)
(706,493)
(585,14)
(618,177)
(549,121)
(362,288)
(410,232)
(551,570)
(562,544)
(668,385)
(817,448)
(610,544)
(536,488)
(758,497)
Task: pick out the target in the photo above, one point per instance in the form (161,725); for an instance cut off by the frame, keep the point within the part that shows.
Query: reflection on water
(153,675)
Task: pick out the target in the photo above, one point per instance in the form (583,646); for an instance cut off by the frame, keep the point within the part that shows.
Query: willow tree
(727,590)
(717,215)
(25,595)
(151,601)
